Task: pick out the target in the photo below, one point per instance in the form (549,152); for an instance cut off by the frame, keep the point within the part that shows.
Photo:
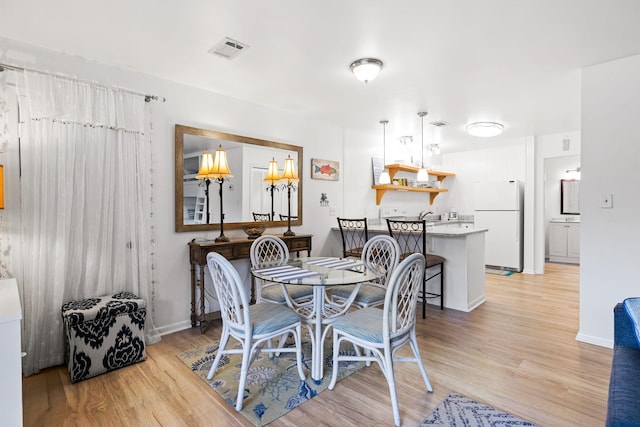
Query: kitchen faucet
(423,214)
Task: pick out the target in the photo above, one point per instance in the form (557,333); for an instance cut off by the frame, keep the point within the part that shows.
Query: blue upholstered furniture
(623,408)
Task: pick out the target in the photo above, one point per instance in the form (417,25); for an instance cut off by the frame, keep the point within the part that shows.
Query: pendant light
(385,178)
(423,175)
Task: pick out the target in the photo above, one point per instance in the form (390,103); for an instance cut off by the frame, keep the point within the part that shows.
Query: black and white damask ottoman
(103,334)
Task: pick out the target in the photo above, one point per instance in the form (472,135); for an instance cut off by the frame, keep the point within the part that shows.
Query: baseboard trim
(594,340)
(174,327)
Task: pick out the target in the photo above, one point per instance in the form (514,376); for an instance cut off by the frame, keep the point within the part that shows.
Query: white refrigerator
(499,208)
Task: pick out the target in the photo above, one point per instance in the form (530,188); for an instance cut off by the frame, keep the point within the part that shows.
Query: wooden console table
(234,249)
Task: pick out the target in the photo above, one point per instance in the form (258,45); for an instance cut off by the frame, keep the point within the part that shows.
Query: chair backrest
(261,216)
(410,235)
(267,251)
(354,233)
(401,299)
(285,217)
(381,253)
(232,296)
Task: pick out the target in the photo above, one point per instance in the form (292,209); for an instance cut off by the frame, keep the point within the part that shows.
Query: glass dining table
(322,273)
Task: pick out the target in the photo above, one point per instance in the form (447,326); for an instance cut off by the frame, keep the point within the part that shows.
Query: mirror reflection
(246,193)
(570,196)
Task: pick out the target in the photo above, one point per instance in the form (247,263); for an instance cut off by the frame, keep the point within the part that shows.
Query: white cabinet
(564,242)
(10,354)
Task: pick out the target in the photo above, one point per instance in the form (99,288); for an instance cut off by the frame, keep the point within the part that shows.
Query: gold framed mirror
(244,194)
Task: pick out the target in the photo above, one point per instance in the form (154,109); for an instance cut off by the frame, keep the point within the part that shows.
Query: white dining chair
(272,251)
(253,326)
(382,332)
(381,254)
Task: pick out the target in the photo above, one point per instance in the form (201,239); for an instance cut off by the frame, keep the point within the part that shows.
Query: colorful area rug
(498,272)
(273,386)
(458,410)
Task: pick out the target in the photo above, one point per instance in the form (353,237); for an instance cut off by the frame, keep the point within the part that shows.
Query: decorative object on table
(366,69)
(273,388)
(423,175)
(458,410)
(253,326)
(218,169)
(380,333)
(324,201)
(103,334)
(254,230)
(327,170)
(289,175)
(273,176)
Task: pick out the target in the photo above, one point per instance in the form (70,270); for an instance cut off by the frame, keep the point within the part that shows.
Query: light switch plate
(606,200)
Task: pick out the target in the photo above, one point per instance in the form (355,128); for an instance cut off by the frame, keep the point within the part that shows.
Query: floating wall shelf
(395,168)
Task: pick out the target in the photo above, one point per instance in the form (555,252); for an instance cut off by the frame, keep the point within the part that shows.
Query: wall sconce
(272,177)
(215,168)
(572,173)
(290,175)
(433,149)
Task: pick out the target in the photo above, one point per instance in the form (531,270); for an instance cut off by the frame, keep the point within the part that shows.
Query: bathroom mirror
(243,194)
(570,196)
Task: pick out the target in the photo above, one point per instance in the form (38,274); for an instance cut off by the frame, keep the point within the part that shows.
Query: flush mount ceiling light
(485,129)
(366,69)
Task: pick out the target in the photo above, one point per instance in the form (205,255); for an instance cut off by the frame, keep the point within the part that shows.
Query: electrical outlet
(606,201)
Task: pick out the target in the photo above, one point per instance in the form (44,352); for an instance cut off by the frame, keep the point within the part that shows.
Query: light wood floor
(516,352)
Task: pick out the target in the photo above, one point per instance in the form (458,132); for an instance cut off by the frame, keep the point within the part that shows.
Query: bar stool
(412,238)
(354,235)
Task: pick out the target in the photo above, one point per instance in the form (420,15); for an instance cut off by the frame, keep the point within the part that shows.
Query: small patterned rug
(273,386)
(458,410)
(498,272)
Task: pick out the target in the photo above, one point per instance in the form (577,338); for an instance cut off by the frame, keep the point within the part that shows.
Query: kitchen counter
(446,228)
(463,249)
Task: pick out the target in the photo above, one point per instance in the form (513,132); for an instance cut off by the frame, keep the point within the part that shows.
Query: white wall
(610,165)
(193,107)
(485,165)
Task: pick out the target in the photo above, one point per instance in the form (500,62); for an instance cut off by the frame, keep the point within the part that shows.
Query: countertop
(447,229)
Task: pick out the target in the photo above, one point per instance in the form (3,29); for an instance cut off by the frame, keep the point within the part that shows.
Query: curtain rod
(147,98)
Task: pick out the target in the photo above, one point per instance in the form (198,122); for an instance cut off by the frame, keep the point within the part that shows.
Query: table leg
(317,343)
(203,322)
(193,295)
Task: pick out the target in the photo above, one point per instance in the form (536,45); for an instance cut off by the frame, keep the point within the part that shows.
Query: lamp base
(221,238)
(289,233)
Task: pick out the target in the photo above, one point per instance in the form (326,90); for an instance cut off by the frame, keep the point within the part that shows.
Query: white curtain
(86,196)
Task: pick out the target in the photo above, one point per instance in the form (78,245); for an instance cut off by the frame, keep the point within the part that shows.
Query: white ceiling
(513,61)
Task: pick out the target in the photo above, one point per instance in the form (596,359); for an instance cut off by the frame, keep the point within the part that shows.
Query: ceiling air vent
(439,123)
(228,48)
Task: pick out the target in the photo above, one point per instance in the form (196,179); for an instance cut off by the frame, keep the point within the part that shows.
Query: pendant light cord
(422,114)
